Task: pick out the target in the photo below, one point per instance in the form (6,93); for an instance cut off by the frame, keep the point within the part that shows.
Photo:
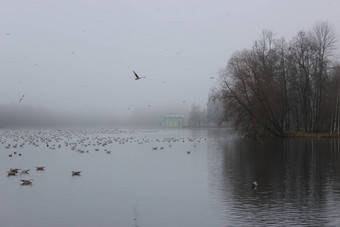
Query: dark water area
(298,181)
(167,178)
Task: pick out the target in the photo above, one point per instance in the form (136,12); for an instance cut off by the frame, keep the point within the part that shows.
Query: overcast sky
(78,55)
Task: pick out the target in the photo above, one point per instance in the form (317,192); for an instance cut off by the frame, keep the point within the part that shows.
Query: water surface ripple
(167,178)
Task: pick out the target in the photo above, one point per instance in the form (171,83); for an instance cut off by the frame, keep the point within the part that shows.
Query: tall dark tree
(334,100)
(278,86)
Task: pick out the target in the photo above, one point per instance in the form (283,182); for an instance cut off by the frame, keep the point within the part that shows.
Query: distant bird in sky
(21,98)
(212,77)
(138,77)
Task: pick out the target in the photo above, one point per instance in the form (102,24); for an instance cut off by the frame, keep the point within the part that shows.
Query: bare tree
(280,86)
(323,40)
(334,100)
(197,116)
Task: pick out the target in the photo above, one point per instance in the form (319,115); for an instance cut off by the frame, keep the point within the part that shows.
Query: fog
(73,60)
(13,115)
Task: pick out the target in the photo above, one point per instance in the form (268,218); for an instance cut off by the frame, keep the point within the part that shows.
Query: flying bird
(21,98)
(138,77)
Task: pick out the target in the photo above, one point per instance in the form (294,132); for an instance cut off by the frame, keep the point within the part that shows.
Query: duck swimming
(24,171)
(76,173)
(254,185)
(10,173)
(26,182)
(14,170)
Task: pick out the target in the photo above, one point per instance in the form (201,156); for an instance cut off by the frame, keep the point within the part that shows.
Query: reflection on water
(298,181)
(125,181)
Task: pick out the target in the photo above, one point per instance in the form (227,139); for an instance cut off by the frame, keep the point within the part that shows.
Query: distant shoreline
(311,135)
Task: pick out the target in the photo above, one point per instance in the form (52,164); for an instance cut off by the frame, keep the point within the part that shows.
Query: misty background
(73,60)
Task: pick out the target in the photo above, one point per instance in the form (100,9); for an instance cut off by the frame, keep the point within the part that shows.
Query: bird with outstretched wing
(21,98)
(138,77)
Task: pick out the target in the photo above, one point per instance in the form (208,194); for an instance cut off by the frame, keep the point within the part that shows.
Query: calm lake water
(147,178)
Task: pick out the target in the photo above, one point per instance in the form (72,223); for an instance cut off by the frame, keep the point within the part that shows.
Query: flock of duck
(15,171)
(82,141)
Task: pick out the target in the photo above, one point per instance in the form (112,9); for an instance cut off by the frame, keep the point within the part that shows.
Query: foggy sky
(79,55)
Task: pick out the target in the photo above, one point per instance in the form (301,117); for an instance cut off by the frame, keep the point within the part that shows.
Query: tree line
(279,86)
